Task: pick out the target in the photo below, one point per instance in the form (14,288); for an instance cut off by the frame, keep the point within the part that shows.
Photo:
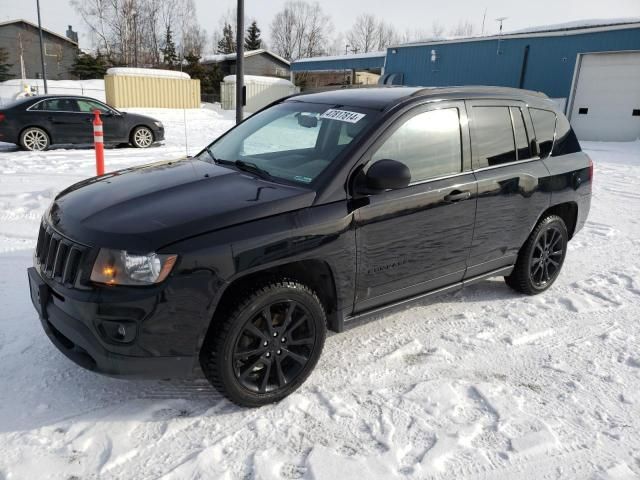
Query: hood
(145,208)
(137,117)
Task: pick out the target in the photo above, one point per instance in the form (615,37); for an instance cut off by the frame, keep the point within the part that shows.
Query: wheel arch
(567,211)
(45,130)
(316,274)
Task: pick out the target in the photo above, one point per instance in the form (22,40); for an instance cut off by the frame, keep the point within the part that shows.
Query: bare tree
(464,29)
(131,32)
(369,34)
(300,29)
(437,29)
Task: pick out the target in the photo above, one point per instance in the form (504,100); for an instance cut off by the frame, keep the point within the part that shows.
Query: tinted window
(566,141)
(544,124)
(89,106)
(60,105)
(522,139)
(493,136)
(428,143)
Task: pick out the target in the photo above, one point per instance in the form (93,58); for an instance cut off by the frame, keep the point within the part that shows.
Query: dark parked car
(319,210)
(35,123)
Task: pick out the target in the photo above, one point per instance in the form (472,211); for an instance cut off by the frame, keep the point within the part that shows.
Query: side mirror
(387,175)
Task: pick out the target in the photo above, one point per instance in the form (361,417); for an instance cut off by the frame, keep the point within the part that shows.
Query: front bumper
(77,339)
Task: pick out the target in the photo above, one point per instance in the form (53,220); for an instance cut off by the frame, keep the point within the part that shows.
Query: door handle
(457,196)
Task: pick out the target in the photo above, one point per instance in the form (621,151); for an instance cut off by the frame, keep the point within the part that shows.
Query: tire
(234,357)
(141,137)
(34,139)
(541,257)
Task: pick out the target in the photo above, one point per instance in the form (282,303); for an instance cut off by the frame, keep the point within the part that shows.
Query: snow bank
(146,72)
(248,79)
(10,90)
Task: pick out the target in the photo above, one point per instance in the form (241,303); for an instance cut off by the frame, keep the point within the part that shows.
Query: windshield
(294,141)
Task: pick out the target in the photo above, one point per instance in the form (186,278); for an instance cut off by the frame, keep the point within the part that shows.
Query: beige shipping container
(147,88)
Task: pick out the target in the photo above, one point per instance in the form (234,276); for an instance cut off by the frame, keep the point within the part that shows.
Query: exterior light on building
(434,56)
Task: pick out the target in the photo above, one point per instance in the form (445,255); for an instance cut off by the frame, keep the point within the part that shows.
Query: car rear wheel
(141,137)
(541,257)
(34,139)
(266,346)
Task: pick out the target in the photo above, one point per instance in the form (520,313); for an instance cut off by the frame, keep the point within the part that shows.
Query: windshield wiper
(252,168)
(213,157)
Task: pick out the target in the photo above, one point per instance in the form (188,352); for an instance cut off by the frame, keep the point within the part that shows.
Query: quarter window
(544,124)
(428,143)
(493,136)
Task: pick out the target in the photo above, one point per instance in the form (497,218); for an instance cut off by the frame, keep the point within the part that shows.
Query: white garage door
(606,105)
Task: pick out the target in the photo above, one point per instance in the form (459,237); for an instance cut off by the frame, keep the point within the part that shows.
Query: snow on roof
(342,57)
(22,20)
(259,79)
(221,57)
(146,72)
(566,28)
(578,24)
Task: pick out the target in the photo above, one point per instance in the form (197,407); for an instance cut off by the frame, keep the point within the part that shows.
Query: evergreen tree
(4,66)
(87,66)
(252,40)
(227,43)
(210,78)
(169,55)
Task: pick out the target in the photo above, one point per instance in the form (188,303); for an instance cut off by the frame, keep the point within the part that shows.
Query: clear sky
(404,14)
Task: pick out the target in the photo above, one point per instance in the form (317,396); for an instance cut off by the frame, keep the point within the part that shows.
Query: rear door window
(492,136)
(60,105)
(544,124)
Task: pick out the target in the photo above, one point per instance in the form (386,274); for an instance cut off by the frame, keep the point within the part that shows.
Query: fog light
(121,332)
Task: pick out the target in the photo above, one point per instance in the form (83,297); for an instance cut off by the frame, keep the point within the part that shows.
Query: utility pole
(346,52)
(44,71)
(239,61)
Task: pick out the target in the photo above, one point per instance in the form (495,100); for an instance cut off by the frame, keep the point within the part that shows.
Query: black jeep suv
(316,211)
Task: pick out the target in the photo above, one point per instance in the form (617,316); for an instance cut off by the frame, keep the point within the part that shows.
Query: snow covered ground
(483,383)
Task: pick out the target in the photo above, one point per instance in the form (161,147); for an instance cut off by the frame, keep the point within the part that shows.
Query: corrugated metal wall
(259,94)
(550,65)
(151,92)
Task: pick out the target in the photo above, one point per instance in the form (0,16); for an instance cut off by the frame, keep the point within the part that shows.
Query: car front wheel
(34,139)
(141,137)
(265,346)
(541,257)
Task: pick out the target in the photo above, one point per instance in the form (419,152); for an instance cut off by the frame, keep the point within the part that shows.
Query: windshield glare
(294,141)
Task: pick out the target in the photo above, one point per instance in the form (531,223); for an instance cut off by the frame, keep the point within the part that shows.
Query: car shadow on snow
(47,389)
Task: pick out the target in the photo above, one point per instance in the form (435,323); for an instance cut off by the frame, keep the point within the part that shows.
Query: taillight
(1,116)
(590,168)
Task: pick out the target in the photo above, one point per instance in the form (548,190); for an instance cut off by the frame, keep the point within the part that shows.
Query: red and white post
(98,141)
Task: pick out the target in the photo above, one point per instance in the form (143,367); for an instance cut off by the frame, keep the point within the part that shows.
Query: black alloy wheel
(265,343)
(274,346)
(541,257)
(547,256)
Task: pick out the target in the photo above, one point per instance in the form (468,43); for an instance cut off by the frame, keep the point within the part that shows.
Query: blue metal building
(591,68)
(542,60)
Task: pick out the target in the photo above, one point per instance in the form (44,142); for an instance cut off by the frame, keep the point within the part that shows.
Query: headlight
(117,267)
(158,124)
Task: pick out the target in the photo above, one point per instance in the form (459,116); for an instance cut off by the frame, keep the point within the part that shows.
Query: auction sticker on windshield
(343,115)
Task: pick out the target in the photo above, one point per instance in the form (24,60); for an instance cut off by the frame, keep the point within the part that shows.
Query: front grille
(58,257)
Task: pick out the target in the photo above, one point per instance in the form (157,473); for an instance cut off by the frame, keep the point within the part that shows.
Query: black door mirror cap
(387,174)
